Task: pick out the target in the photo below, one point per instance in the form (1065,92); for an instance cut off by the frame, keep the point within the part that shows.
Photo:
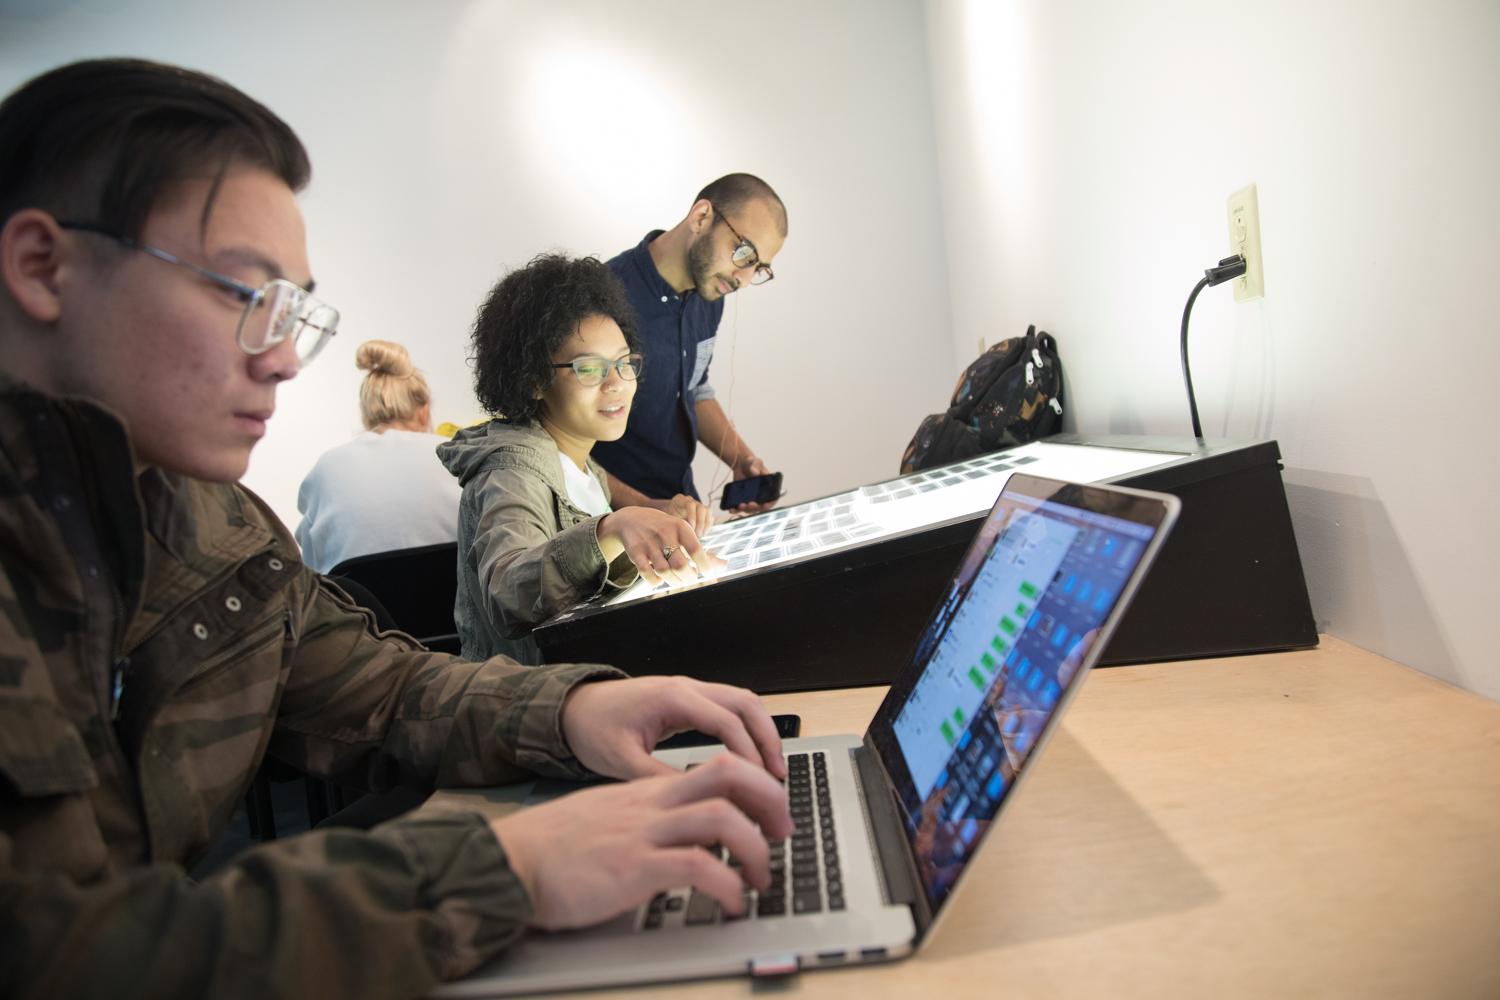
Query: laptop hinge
(891,847)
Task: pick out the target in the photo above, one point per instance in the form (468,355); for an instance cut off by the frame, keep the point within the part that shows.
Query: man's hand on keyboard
(612,726)
(596,853)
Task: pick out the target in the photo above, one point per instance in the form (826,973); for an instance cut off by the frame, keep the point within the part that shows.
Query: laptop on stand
(888,823)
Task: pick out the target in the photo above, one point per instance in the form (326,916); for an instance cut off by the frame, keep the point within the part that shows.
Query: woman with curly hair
(556,362)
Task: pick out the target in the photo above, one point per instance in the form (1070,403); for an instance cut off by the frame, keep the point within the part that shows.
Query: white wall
(1083,153)
(451,140)
(1086,151)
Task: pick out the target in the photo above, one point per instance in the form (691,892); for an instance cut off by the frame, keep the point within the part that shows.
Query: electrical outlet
(1244,239)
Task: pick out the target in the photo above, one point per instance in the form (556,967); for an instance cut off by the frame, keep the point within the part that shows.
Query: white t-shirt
(376,493)
(583,489)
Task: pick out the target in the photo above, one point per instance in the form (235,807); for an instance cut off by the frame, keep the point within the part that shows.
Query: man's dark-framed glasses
(593,370)
(745,254)
(275,312)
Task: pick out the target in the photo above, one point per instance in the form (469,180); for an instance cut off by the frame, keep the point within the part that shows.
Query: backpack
(1009,395)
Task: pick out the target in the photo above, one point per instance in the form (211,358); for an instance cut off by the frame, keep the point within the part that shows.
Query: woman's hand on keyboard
(598,852)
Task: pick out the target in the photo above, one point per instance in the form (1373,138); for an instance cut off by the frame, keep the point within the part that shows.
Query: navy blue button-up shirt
(677,331)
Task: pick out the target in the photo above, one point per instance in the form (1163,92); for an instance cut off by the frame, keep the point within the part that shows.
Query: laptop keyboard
(805,872)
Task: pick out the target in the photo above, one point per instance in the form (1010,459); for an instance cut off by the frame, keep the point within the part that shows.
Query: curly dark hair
(527,316)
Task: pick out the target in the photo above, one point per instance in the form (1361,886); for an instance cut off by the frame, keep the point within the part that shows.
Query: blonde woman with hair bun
(394,394)
(385,489)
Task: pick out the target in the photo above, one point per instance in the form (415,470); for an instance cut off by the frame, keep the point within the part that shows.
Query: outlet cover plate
(1244,239)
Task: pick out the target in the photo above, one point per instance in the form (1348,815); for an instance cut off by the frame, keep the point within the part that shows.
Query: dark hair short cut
(100,141)
(732,191)
(525,319)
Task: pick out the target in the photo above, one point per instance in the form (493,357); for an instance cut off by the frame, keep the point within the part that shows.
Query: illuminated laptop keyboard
(805,872)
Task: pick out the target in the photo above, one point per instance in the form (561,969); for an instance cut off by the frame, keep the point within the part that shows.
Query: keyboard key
(808,902)
(701,909)
(771,906)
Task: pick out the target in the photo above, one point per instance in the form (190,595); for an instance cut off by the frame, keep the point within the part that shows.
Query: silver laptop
(888,823)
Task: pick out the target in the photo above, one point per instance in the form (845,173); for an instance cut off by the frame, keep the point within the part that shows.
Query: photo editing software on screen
(1000,654)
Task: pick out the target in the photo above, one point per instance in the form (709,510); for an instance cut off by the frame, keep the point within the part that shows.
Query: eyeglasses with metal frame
(745,254)
(275,312)
(592,370)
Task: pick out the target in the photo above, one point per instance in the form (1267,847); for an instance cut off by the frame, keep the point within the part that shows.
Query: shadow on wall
(1123,418)
(1360,576)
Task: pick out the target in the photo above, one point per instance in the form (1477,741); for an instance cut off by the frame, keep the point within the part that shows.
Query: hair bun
(382,357)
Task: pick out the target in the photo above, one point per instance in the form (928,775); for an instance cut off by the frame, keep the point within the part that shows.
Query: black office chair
(416,586)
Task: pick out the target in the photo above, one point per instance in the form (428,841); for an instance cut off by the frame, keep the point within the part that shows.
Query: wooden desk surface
(1322,823)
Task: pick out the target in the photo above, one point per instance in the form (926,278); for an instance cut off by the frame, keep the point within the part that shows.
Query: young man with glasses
(159,635)
(556,363)
(677,280)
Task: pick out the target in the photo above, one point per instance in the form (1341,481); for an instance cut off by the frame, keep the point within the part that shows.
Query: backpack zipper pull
(1056,406)
(1037,355)
(1030,374)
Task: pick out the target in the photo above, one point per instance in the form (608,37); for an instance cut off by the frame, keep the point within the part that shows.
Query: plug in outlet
(1244,239)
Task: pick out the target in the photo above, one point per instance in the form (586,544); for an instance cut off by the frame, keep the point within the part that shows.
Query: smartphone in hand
(756,489)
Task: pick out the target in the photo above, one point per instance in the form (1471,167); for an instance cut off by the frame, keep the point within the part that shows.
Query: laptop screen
(1005,645)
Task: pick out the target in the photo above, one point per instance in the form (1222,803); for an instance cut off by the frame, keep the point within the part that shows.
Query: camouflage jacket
(158,637)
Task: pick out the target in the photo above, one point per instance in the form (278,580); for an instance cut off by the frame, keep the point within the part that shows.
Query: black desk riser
(1228,581)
